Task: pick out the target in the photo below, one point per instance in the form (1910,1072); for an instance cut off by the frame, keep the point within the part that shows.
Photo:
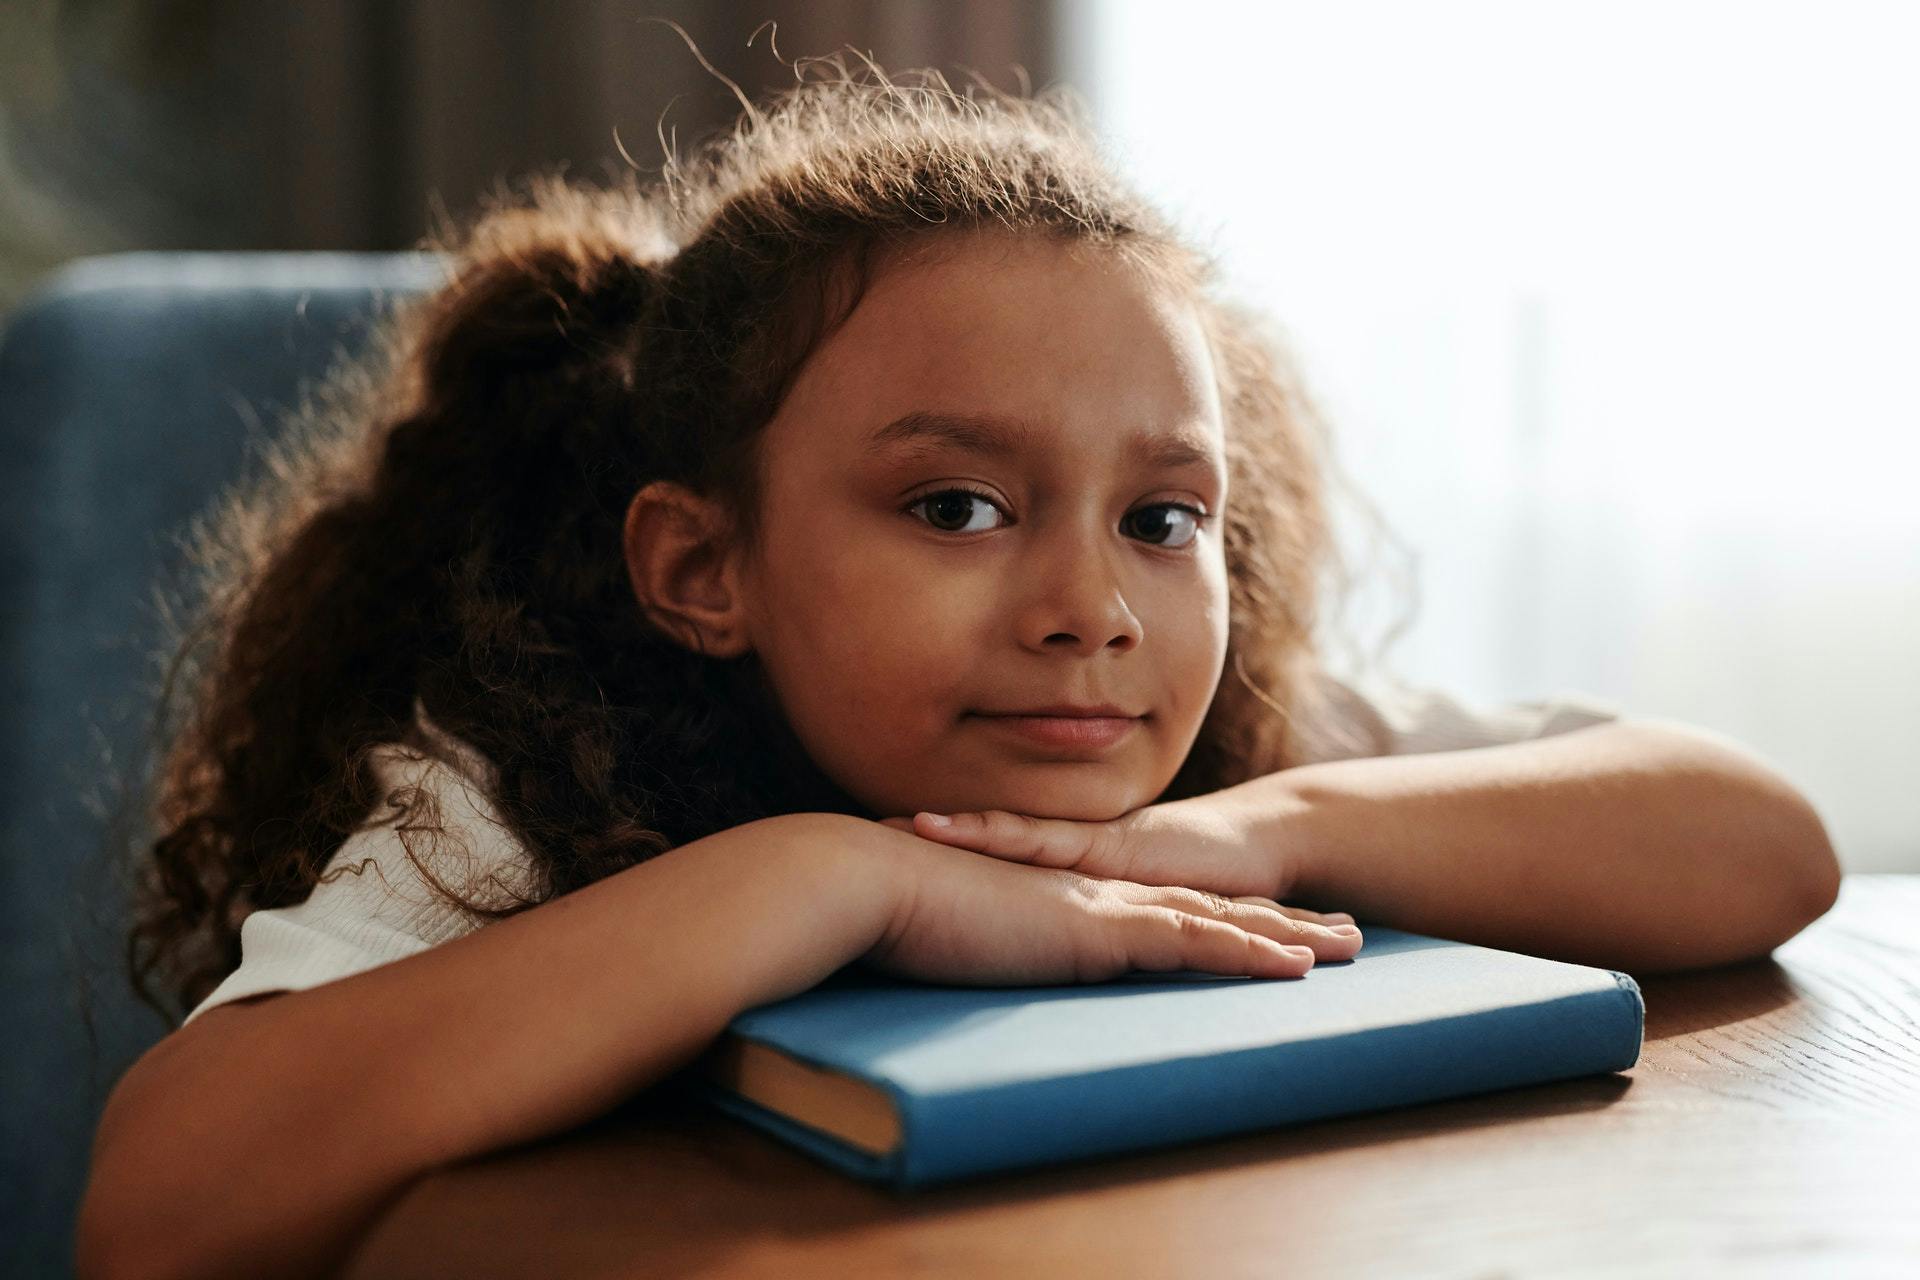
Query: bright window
(1616,312)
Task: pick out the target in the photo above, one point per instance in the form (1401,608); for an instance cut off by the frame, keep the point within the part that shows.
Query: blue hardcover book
(911,1084)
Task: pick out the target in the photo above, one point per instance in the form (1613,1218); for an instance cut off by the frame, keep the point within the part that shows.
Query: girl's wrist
(1276,818)
(820,893)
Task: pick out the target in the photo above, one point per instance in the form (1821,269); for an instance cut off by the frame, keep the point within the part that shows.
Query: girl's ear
(685,575)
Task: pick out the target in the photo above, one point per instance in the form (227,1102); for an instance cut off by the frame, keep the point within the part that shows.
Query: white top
(373,905)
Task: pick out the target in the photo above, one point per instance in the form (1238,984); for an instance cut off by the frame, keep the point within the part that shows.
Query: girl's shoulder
(429,864)
(1382,716)
(435,826)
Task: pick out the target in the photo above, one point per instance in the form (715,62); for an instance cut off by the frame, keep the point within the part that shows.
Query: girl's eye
(1164,517)
(1162,524)
(956,510)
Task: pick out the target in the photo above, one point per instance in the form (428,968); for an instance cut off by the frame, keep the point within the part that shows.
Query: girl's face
(989,571)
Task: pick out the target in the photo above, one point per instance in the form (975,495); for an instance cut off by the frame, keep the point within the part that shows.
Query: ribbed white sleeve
(373,905)
(1376,718)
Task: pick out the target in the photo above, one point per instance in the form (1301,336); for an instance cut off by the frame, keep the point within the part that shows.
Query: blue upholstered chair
(129,387)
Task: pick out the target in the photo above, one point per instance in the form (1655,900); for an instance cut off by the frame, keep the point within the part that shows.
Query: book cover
(911,1084)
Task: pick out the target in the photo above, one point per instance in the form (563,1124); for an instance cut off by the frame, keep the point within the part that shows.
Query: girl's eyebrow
(996,435)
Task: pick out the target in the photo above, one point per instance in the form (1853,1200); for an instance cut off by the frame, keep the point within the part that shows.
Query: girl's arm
(262,1138)
(1642,845)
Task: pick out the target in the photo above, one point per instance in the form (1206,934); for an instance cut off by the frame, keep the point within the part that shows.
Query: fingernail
(1338,917)
(1345,930)
(937,819)
(1299,953)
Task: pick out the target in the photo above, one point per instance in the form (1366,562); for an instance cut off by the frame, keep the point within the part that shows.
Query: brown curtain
(211,124)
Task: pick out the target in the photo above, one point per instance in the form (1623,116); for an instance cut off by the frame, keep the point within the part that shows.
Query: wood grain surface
(1770,1128)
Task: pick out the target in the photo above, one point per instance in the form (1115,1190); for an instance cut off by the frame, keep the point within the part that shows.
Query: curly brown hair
(441,520)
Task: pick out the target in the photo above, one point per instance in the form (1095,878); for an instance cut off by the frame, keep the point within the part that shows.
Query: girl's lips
(1066,731)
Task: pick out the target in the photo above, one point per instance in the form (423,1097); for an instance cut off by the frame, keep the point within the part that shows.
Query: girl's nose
(1074,603)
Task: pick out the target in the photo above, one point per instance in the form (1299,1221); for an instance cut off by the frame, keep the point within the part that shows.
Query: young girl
(875,543)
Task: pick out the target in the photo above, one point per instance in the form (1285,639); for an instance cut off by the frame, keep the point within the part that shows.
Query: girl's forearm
(1642,846)
(262,1139)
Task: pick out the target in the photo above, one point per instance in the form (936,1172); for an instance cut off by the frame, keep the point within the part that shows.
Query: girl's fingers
(1330,940)
(1298,913)
(1267,918)
(1040,842)
(1013,836)
(1162,939)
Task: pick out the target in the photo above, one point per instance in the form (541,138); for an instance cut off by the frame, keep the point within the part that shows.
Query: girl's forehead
(977,273)
(1017,331)
(1185,451)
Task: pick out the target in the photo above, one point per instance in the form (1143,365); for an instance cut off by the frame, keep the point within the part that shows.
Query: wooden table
(1771,1127)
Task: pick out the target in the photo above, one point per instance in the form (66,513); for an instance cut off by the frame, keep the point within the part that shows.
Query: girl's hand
(1200,843)
(963,918)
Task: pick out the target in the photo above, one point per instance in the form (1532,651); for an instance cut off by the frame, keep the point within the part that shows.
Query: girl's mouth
(1069,731)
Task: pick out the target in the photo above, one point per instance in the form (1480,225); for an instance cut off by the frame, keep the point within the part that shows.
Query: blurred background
(1612,307)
